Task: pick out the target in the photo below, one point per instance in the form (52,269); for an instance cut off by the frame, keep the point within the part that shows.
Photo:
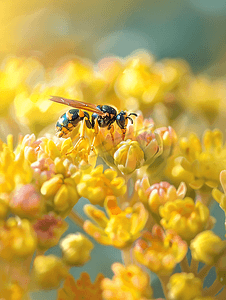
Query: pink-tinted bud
(26,201)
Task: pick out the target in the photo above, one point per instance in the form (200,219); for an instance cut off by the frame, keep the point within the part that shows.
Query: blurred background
(189,29)
(56,31)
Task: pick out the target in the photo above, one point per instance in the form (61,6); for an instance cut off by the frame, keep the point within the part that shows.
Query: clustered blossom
(153,196)
(200,163)
(96,185)
(127,283)
(122,227)
(154,191)
(186,217)
(160,251)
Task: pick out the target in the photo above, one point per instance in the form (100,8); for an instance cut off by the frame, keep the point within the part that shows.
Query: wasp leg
(123,133)
(96,131)
(81,136)
(112,129)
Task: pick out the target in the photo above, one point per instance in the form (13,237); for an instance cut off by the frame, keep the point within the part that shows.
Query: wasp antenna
(131,120)
(133,114)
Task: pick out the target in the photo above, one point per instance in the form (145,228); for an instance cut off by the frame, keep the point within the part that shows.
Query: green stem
(221,296)
(213,289)
(194,266)
(204,271)
(164,281)
(127,256)
(185,266)
(75,217)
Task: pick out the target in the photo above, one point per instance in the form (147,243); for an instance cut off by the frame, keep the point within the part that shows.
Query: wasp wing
(77,104)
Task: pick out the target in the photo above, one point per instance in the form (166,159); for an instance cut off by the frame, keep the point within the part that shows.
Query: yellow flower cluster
(153,196)
(128,170)
(200,164)
(185,217)
(127,283)
(121,229)
(160,251)
(97,185)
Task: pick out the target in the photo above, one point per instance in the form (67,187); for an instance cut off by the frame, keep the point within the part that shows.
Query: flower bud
(26,201)
(76,249)
(206,247)
(48,272)
(129,156)
(49,230)
(184,286)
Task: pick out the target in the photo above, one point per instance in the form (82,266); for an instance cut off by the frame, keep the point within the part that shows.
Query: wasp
(102,116)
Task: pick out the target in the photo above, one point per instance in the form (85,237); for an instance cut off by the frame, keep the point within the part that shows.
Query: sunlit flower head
(18,74)
(98,184)
(14,169)
(203,95)
(203,162)
(141,145)
(44,169)
(184,286)
(185,217)
(29,145)
(160,251)
(60,191)
(121,228)
(26,201)
(153,196)
(129,282)
(17,239)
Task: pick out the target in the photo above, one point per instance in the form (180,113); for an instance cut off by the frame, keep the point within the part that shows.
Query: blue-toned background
(190,29)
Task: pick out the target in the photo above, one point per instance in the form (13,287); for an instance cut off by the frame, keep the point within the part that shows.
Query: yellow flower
(81,289)
(158,194)
(206,247)
(14,169)
(184,286)
(44,169)
(129,282)
(185,217)
(49,230)
(128,157)
(29,145)
(17,239)
(4,205)
(138,78)
(16,75)
(76,249)
(97,185)
(160,251)
(53,147)
(60,191)
(48,272)
(35,110)
(141,145)
(204,96)
(12,291)
(26,202)
(203,163)
(218,195)
(123,226)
